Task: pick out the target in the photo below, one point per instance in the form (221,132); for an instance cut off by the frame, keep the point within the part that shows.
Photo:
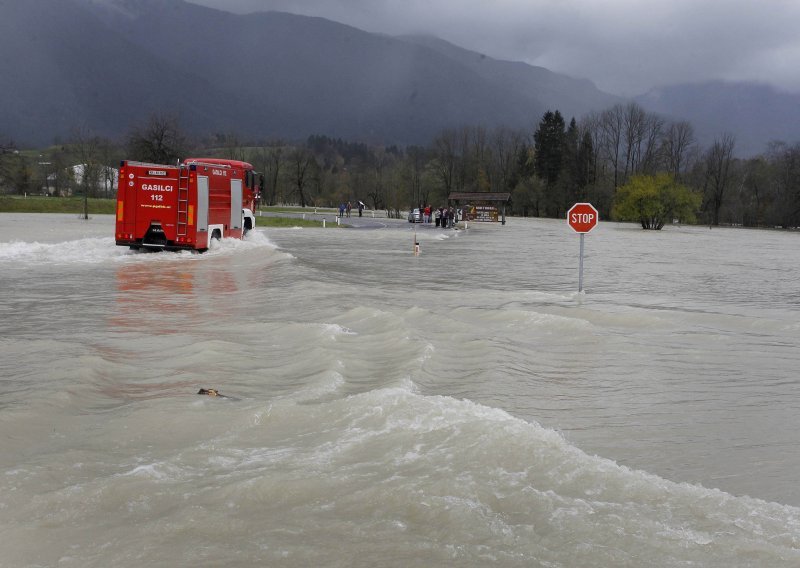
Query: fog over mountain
(108,64)
(623,47)
(755,113)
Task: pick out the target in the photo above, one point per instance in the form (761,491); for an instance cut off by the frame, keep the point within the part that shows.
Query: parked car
(415,216)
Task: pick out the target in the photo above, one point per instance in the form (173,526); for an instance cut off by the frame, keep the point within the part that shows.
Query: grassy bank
(19,204)
(74,205)
(298,209)
(289,222)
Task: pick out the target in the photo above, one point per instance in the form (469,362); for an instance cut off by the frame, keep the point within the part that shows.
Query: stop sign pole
(582,217)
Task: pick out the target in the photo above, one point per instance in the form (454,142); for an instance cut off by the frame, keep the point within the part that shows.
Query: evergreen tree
(549,147)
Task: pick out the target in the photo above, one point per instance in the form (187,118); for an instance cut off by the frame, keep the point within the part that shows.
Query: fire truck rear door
(202,203)
(236,204)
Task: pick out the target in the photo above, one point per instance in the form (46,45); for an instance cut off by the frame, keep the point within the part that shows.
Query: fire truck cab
(187,206)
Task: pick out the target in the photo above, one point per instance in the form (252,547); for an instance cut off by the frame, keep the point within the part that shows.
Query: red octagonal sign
(582,217)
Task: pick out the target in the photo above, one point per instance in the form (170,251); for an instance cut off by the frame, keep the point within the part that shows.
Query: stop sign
(582,217)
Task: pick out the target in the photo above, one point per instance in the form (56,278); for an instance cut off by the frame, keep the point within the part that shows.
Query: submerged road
(354,221)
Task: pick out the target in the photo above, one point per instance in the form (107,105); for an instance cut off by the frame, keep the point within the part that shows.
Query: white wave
(491,447)
(89,250)
(472,470)
(427,352)
(556,322)
(514,317)
(253,239)
(407,384)
(322,388)
(156,471)
(95,250)
(332,330)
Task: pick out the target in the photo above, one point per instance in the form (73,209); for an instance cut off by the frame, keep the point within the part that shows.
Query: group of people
(345,208)
(444,217)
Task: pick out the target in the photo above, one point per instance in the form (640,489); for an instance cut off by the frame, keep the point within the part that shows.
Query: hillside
(106,65)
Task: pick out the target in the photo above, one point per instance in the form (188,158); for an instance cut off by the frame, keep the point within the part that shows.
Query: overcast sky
(625,47)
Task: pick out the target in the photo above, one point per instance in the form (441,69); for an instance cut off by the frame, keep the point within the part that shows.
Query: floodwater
(463,407)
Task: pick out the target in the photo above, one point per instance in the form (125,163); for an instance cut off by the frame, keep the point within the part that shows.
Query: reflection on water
(135,279)
(166,297)
(160,299)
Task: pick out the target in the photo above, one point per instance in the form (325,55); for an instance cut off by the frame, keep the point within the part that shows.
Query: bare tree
(591,126)
(612,125)
(87,151)
(649,151)
(479,166)
(11,164)
(413,167)
(633,120)
(757,191)
(506,144)
(444,148)
(160,140)
(379,161)
(301,164)
(271,161)
(462,147)
(785,160)
(62,175)
(718,174)
(641,135)
(231,146)
(109,154)
(16,173)
(677,141)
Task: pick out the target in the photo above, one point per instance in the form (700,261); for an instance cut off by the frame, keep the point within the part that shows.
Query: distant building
(104,186)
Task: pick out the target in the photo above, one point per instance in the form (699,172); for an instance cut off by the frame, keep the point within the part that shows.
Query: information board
(482,213)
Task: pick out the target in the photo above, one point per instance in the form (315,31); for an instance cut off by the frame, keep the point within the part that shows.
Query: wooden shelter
(481,206)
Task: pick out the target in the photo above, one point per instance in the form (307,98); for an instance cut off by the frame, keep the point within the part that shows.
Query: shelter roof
(479,196)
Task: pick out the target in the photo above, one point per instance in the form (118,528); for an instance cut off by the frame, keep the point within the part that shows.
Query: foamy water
(463,407)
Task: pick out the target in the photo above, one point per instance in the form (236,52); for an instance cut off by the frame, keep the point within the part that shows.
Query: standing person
(341,209)
(349,208)
(438,215)
(427,217)
(360,208)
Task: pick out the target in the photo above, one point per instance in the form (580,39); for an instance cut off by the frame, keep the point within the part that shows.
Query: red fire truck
(184,207)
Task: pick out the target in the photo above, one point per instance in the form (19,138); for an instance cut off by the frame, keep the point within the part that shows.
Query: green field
(290,222)
(19,204)
(73,205)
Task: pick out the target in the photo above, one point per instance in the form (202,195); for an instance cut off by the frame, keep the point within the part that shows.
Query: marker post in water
(582,217)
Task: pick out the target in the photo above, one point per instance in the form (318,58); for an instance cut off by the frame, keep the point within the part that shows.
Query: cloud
(624,46)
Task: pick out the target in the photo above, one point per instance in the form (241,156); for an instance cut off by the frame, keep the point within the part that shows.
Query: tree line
(631,164)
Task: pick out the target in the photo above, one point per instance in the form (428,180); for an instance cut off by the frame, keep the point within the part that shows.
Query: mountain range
(107,65)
